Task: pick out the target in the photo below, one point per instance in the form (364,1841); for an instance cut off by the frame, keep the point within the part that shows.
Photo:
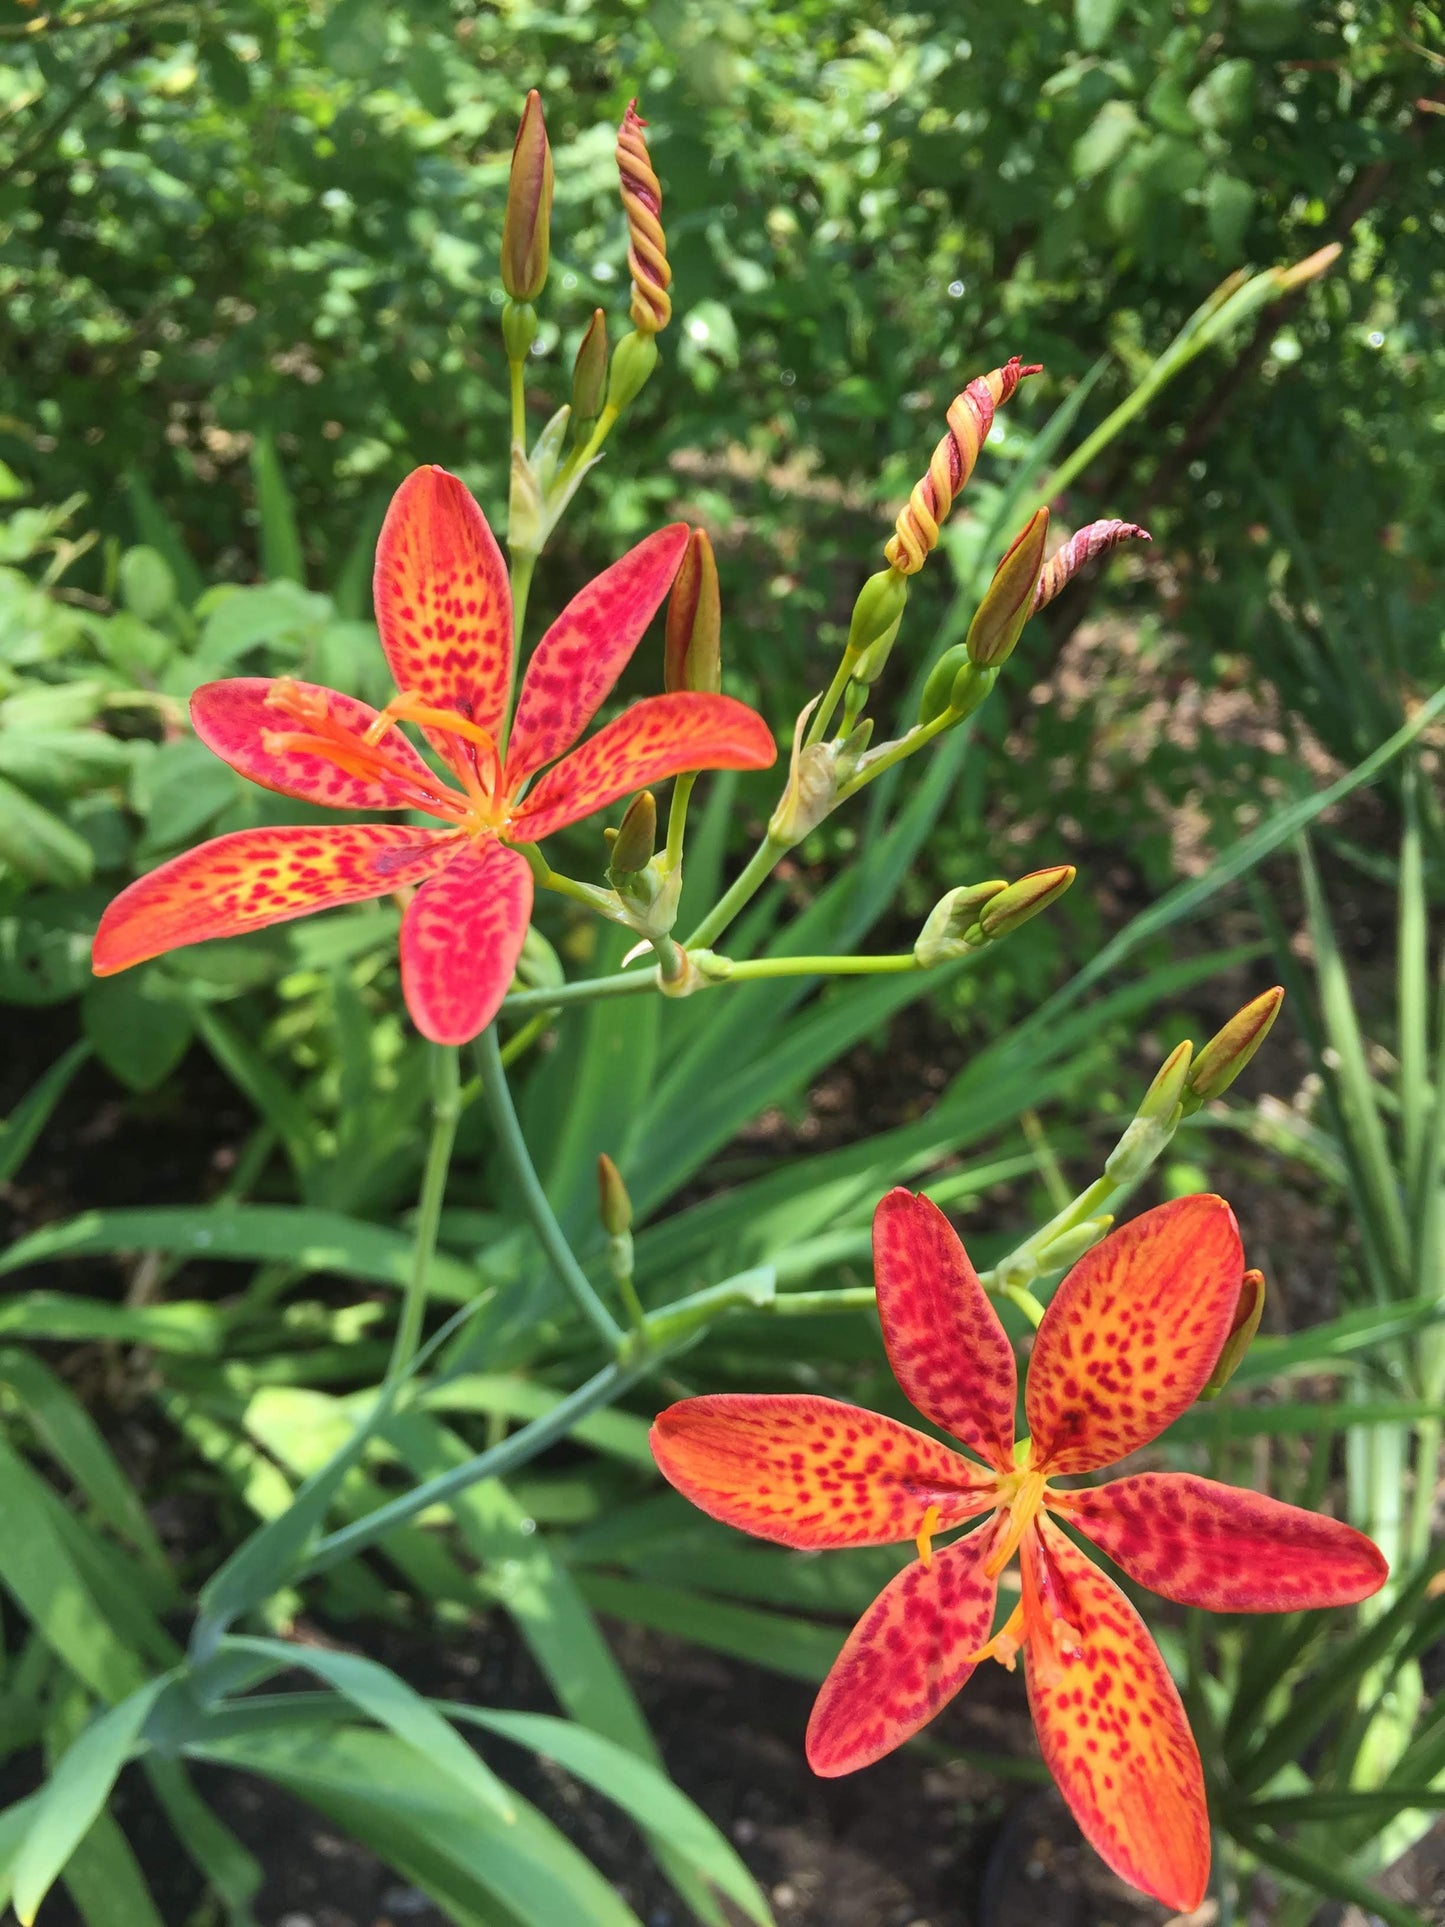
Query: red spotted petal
(810,1472)
(905,1659)
(256,877)
(460,940)
(587,648)
(654,739)
(1111,1726)
(1211,1545)
(444,606)
(945,1343)
(235,719)
(1132,1334)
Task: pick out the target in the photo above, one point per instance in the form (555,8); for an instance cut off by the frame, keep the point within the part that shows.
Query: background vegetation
(249,278)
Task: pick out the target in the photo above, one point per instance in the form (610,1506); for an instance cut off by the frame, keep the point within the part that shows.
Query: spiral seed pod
(970,417)
(646,242)
(1065,563)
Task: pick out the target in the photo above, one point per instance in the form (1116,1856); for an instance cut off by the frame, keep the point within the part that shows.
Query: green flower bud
(692,654)
(633,360)
(938,690)
(1230,1049)
(1164,1095)
(1067,1249)
(1009,599)
(1247,1314)
(945,935)
(614,1206)
(1013,907)
(634,842)
(527,224)
(874,624)
(519,329)
(589,376)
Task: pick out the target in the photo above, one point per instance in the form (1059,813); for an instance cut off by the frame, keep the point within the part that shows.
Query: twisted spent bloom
(646,243)
(444,609)
(970,417)
(1127,1344)
(1081,548)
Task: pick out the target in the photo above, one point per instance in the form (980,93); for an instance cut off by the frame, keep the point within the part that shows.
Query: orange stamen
(347,753)
(1006,1643)
(924,1540)
(1026,1497)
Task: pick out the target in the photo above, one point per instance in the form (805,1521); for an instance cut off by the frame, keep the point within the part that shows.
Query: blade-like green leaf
(30,1116)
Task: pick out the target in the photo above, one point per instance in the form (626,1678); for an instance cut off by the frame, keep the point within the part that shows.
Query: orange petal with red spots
(645,744)
(253,878)
(812,1472)
(444,606)
(1132,1334)
(1211,1545)
(945,1343)
(905,1659)
(1112,1729)
(235,719)
(460,940)
(587,648)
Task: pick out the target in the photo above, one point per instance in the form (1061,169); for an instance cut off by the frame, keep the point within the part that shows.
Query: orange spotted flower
(444,609)
(1129,1341)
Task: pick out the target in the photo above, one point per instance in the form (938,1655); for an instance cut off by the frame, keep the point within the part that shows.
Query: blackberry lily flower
(1127,1344)
(444,609)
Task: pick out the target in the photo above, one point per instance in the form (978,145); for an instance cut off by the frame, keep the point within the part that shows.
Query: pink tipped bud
(1009,599)
(970,417)
(527,227)
(692,654)
(1247,1313)
(1310,269)
(1230,1049)
(1065,563)
(646,242)
(952,927)
(614,1206)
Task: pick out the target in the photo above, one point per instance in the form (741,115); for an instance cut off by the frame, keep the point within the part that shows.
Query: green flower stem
(550,1235)
(1019,1269)
(751,968)
(623,983)
(677,819)
(906,746)
(517,370)
(522,1041)
(759,868)
(808,1304)
(823,715)
(446,1108)
(507,1456)
(602,901)
(1029,1305)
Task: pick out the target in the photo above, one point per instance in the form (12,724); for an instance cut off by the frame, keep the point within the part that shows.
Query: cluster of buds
(980,913)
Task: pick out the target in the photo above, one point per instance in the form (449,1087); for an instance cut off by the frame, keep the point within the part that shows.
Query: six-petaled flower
(444,609)
(1127,1344)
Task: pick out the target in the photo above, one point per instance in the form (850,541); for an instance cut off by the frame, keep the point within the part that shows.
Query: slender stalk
(807,1304)
(759,868)
(550,1235)
(909,745)
(751,968)
(677,819)
(1020,1267)
(446,1108)
(823,715)
(517,371)
(518,1045)
(517,1450)
(623,983)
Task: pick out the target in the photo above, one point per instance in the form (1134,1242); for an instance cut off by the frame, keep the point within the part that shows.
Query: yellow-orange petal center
(1020,1496)
(924,1540)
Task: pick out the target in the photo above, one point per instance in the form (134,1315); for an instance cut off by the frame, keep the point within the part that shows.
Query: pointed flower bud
(874,624)
(1164,1095)
(614,1206)
(636,839)
(1065,563)
(527,226)
(589,376)
(1013,907)
(1230,1049)
(646,242)
(1009,599)
(1065,1251)
(1247,1314)
(970,417)
(692,653)
(945,936)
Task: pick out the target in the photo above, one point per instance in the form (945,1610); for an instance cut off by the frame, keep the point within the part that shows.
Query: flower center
(362,753)
(1020,1496)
